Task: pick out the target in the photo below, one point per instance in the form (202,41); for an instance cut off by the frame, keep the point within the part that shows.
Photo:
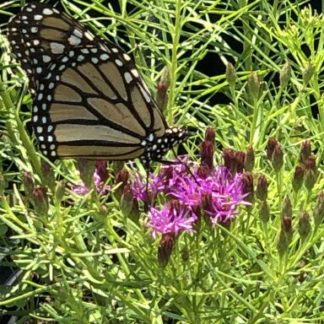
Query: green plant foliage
(91,257)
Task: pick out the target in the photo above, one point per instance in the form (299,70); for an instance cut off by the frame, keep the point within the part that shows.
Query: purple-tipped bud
(272,143)
(162,90)
(277,158)
(40,200)
(233,160)
(165,248)
(253,86)
(308,73)
(287,224)
(230,74)
(48,177)
(210,134)
(319,210)
(86,169)
(247,186)
(262,188)
(229,160)
(304,226)
(101,169)
(286,231)
(240,158)
(305,151)
(310,163)
(286,208)
(298,177)
(207,154)
(310,172)
(310,179)
(264,211)
(285,75)
(29,184)
(249,159)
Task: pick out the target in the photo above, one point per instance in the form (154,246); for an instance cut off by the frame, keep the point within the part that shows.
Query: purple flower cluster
(215,194)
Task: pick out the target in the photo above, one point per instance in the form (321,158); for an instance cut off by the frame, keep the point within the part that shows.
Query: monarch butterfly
(89,100)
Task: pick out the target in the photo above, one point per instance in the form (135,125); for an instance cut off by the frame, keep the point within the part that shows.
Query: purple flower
(173,218)
(217,193)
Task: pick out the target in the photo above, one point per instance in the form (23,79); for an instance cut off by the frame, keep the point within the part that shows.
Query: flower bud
(40,200)
(247,186)
(207,154)
(285,235)
(262,188)
(230,74)
(308,73)
(285,75)
(162,90)
(305,151)
(319,210)
(264,211)
(249,159)
(165,249)
(304,226)
(229,160)
(29,184)
(277,158)
(86,169)
(287,224)
(310,163)
(310,179)
(286,208)
(48,178)
(210,134)
(298,177)
(253,86)
(239,158)
(272,143)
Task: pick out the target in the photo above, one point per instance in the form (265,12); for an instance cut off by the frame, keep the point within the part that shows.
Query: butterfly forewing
(89,98)
(91,104)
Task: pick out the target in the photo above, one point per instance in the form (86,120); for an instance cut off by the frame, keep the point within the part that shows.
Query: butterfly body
(89,99)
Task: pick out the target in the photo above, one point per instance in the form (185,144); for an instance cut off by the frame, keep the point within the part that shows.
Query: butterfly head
(156,147)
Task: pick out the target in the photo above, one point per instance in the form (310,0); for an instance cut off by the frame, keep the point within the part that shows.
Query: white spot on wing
(38,17)
(104,57)
(89,35)
(128,77)
(126,57)
(135,73)
(119,62)
(47,11)
(57,48)
(74,40)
